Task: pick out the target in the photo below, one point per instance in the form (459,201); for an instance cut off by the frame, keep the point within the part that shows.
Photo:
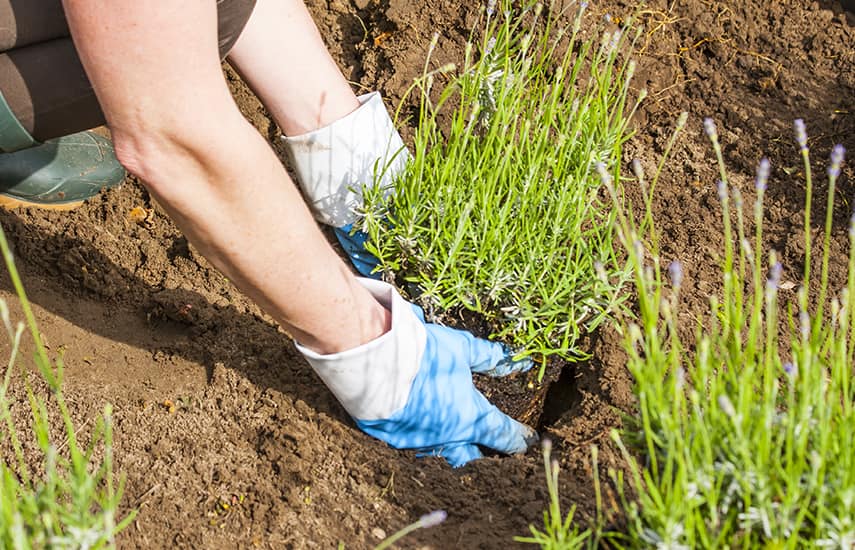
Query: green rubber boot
(57,174)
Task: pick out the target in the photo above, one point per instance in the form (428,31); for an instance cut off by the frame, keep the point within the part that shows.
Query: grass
(743,437)
(501,211)
(70,499)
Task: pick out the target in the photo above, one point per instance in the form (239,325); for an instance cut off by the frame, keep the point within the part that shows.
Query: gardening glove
(335,163)
(412,387)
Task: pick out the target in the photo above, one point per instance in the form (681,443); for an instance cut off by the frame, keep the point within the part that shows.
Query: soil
(211,401)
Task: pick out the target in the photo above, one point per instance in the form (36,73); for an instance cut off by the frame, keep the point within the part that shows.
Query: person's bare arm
(156,72)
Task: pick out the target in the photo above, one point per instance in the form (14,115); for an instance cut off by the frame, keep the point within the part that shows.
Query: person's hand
(412,387)
(335,163)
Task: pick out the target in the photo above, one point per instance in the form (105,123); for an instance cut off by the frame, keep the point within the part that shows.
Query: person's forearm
(176,126)
(233,200)
(283,58)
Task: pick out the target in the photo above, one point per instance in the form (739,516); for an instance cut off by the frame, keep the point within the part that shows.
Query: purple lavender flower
(852,226)
(801,134)
(491,8)
(721,190)
(790,369)
(675,273)
(432,519)
(583,6)
(710,129)
(762,174)
(836,160)
(774,277)
(615,40)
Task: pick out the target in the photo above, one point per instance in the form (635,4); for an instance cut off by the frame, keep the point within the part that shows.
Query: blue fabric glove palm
(412,387)
(446,415)
(353,243)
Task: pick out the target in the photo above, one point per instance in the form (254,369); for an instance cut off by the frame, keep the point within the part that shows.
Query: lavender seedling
(427,521)
(502,212)
(71,501)
(744,437)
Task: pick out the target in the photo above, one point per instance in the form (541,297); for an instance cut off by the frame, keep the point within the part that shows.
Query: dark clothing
(41,77)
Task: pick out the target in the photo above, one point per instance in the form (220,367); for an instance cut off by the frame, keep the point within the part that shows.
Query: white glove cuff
(373,381)
(333,163)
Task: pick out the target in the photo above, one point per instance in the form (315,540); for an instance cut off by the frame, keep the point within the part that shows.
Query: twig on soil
(139,499)
(65,443)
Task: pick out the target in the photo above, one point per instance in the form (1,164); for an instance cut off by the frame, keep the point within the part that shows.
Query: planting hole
(562,396)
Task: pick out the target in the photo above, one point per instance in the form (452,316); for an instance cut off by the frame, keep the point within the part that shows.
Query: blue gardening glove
(334,164)
(412,387)
(353,243)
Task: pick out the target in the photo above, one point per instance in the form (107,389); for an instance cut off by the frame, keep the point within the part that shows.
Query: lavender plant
(427,521)
(744,438)
(70,501)
(501,213)
(559,531)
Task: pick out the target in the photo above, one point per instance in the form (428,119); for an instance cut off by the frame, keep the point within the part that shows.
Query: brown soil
(146,323)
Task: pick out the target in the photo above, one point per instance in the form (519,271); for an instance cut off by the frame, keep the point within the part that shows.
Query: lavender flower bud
(737,198)
(682,119)
(637,169)
(491,8)
(774,277)
(577,23)
(615,41)
(608,17)
(603,172)
(852,226)
(836,160)
(432,519)
(600,270)
(434,40)
(630,69)
(804,324)
(638,248)
(546,445)
(710,129)
(490,45)
(635,333)
(790,369)
(745,246)
(726,405)
(721,190)
(762,174)
(680,378)
(675,273)
(801,134)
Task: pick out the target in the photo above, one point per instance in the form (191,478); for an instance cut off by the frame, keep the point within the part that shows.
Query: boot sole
(10,203)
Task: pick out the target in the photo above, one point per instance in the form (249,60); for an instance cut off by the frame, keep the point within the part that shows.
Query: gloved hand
(412,387)
(335,163)
(353,243)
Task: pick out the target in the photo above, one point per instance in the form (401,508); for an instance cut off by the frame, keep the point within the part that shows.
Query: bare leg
(281,56)
(176,126)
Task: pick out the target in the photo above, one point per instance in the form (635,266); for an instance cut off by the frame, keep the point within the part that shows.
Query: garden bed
(228,438)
